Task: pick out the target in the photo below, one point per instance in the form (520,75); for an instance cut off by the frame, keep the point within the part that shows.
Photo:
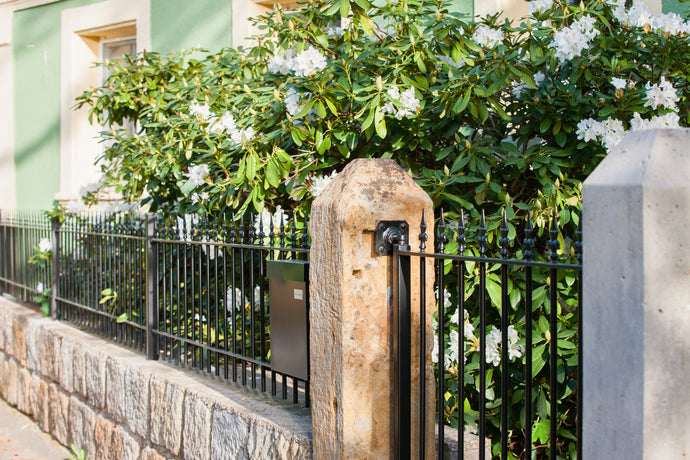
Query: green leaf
(380,123)
(541,432)
(461,103)
(122,318)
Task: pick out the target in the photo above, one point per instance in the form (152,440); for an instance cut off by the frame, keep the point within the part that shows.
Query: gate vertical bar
(151,284)
(553,353)
(404,351)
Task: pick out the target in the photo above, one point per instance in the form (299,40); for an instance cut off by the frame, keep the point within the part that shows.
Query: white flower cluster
(409,103)
(662,94)
(199,198)
(40,288)
(45,245)
(493,345)
(240,301)
(201,111)
(487,36)
(197,174)
(569,42)
(75,207)
(619,83)
(267,221)
(319,183)
(639,16)
(306,63)
(609,132)
(223,124)
(293,102)
(670,120)
(535,6)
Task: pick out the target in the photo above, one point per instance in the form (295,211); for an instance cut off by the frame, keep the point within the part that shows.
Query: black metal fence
(186,289)
(21,232)
(506,356)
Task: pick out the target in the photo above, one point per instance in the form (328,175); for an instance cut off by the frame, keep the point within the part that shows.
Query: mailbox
(288,295)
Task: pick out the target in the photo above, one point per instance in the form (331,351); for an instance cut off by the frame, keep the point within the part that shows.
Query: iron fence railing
(508,343)
(186,289)
(20,233)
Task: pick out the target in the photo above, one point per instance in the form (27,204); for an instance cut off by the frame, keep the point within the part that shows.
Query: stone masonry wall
(115,404)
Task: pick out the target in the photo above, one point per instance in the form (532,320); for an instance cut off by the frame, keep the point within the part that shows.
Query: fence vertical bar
(55,228)
(578,252)
(528,252)
(553,354)
(151,278)
(504,243)
(483,241)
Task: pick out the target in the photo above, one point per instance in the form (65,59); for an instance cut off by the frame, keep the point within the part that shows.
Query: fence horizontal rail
(189,290)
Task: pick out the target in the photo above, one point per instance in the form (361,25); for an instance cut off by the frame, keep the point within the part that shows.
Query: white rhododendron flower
(40,288)
(609,132)
(487,36)
(267,221)
(306,63)
(88,188)
(293,101)
(661,94)
(319,183)
(408,101)
(569,42)
(493,345)
(201,111)
(45,245)
(670,120)
(239,301)
(75,207)
(197,174)
(619,83)
(535,6)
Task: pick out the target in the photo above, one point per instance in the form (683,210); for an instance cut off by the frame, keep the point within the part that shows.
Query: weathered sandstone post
(636,326)
(351,313)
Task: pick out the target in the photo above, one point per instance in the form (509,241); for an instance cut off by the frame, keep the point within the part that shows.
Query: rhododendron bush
(488,114)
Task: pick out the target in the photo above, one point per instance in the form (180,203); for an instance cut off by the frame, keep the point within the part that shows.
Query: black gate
(497,368)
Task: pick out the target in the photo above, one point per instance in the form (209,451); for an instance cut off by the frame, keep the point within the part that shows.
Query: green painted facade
(674,6)
(36,55)
(175,24)
(185,24)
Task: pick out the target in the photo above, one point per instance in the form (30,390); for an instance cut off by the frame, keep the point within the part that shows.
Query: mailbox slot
(288,295)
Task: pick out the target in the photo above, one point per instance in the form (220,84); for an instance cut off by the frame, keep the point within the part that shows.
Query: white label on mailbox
(299,294)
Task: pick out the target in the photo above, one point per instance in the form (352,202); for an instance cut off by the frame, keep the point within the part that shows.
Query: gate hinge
(390,233)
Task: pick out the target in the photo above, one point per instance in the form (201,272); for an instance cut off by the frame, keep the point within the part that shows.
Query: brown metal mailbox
(288,295)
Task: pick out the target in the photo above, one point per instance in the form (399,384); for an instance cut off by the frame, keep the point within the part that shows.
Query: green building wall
(175,24)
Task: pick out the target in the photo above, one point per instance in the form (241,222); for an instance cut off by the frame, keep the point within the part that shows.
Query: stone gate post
(351,311)
(636,326)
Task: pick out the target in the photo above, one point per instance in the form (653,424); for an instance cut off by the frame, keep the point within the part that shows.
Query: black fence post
(152,350)
(404,351)
(55,225)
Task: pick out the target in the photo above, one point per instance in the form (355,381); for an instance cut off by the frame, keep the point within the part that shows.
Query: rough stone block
(59,414)
(24,391)
(166,414)
(82,425)
(137,400)
(130,447)
(196,432)
(151,454)
(107,439)
(3,329)
(32,335)
(65,364)
(46,353)
(79,369)
(229,435)
(19,337)
(7,319)
(4,375)
(116,395)
(95,378)
(42,403)
(13,382)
